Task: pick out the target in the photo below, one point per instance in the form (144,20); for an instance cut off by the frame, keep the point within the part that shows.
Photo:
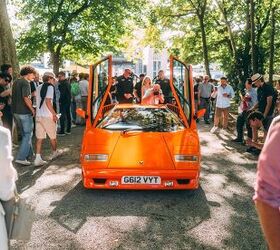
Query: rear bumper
(190,179)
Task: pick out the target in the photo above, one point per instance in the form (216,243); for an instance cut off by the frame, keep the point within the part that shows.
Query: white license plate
(152,180)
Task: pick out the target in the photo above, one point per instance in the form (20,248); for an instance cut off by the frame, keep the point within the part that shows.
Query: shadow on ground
(168,214)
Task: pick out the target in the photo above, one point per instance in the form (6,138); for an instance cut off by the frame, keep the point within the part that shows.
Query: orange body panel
(139,155)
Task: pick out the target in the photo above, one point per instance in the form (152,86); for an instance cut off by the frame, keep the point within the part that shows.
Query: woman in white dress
(146,84)
(8,178)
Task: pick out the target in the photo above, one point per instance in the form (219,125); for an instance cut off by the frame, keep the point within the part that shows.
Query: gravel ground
(219,215)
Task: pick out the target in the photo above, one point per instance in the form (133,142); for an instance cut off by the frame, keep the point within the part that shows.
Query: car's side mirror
(199,113)
(80,112)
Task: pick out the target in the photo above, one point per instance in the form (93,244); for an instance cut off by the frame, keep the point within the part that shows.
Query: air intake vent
(183,181)
(99,181)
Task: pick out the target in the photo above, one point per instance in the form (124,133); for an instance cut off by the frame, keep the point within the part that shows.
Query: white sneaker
(54,155)
(214,129)
(25,162)
(224,132)
(39,162)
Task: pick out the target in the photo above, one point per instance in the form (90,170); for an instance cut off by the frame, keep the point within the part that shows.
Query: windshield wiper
(143,128)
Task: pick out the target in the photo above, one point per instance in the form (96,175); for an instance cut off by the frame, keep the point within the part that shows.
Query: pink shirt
(267,188)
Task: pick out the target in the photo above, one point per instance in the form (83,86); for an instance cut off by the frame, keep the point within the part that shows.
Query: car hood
(141,150)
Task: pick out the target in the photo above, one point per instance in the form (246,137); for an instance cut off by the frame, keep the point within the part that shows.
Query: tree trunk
(272,40)
(232,44)
(246,55)
(253,38)
(55,57)
(7,43)
(204,46)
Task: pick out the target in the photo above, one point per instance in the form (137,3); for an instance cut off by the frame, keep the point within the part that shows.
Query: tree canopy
(240,35)
(236,34)
(73,29)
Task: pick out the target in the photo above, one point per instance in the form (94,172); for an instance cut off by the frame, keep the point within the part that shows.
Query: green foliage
(231,50)
(74,29)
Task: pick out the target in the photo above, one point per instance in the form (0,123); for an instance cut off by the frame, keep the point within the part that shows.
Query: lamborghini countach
(136,146)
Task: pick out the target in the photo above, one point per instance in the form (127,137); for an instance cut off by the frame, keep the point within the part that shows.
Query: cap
(50,74)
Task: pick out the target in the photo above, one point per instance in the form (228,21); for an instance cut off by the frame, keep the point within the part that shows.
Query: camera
(156,92)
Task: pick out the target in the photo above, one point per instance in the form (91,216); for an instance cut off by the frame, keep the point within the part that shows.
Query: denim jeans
(205,104)
(26,126)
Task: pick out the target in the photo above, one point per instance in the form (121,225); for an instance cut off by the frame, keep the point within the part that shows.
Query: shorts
(45,126)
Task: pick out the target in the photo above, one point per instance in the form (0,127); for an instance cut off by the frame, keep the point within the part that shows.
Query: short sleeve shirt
(138,87)
(267,188)
(263,92)
(21,88)
(3,100)
(165,86)
(124,86)
(44,111)
(206,89)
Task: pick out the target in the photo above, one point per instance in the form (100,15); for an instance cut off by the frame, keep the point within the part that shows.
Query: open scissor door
(181,84)
(99,88)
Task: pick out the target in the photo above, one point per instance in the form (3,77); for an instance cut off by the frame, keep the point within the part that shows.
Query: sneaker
(39,162)
(68,133)
(214,129)
(237,140)
(60,134)
(250,150)
(224,131)
(25,162)
(73,125)
(54,155)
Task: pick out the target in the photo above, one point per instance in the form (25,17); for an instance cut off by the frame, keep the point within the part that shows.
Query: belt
(205,97)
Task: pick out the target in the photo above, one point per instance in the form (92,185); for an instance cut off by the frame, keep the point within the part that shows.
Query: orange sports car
(135,146)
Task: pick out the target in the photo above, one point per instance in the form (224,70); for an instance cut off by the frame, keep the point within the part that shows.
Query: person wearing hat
(266,96)
(46,117)
(266,102)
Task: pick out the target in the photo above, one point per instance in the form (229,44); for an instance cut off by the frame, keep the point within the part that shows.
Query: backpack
(43,94)
(75,89)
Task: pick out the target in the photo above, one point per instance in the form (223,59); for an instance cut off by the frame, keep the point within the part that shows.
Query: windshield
(141,118)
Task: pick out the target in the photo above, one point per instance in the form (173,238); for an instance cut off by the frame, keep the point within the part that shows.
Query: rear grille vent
(183,181)
(98,181)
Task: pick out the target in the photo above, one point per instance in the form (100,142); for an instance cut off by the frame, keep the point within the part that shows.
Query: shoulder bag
(19,216)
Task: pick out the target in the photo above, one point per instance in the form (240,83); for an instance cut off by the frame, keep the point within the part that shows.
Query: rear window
(148,119)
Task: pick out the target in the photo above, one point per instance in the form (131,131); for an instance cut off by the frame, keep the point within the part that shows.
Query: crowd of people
(145,91)
(32,103)
(259,104)
(259,109)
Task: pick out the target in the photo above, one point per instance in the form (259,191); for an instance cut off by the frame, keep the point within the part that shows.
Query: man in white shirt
(46,117)
(224,94)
